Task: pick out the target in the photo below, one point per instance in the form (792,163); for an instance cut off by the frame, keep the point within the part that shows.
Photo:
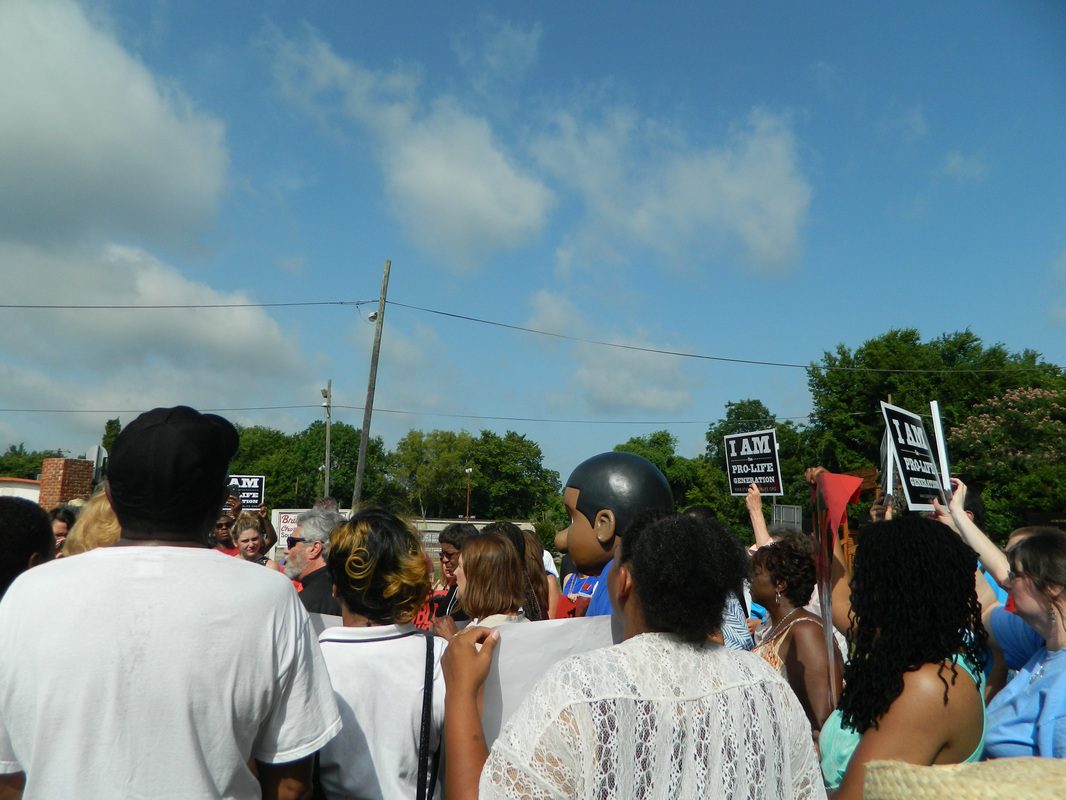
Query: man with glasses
(305,560)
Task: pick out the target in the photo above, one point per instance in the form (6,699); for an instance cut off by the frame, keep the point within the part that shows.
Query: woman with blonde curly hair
(249,536)
(97,526)
(385,672)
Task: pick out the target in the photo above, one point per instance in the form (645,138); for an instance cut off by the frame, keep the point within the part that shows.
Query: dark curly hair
(683,569)
(912,603)
(790,559)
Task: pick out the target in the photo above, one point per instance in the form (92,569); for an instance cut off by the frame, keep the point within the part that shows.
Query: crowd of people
(157,657)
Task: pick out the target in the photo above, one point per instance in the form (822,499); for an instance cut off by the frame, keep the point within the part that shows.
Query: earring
(777,598)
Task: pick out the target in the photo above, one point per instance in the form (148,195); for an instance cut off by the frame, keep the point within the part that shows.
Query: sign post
(752,458)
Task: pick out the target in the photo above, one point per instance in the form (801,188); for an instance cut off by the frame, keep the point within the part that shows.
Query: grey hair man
(305,560)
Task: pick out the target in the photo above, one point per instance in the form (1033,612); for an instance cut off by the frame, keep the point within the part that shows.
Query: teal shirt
(837,743)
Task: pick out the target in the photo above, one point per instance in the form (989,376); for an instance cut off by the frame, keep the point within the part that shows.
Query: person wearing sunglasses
(305,560)
(224,534)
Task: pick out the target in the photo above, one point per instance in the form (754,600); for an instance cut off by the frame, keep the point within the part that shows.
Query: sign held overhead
(252,490)
(752,458)
(913,457)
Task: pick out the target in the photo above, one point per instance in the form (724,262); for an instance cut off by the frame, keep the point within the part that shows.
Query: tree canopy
(1003,413)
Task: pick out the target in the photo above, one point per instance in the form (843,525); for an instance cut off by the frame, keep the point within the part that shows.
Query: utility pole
(368,408)
(468,472)
(327,396)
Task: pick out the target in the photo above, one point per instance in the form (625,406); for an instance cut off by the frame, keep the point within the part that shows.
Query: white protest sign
(941,445)
(913,456)
(524,653)
(752,458)
(252,490)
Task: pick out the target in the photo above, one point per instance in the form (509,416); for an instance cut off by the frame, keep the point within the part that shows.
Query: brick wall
(63,479)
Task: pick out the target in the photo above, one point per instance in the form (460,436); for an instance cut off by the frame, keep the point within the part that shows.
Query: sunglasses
(292,541)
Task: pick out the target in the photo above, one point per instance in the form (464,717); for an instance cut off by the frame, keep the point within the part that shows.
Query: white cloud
(111,359)
(826,78)
(616,380)
(610,379)
(451,182)
(642,185)
(90,141)
(105,339)
(294,265)
(497,52)
(908,125)
(963,168)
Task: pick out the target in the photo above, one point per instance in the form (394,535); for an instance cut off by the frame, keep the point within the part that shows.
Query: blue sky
(760,180)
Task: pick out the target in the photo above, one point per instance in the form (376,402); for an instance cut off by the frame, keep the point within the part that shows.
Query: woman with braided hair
(912,688)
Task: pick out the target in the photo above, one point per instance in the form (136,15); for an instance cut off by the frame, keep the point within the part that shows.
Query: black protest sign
(252,490)
(752,458)
(913,458)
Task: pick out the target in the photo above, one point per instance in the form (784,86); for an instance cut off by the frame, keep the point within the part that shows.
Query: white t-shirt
(378,676)
(549,565)
(655,717)
(149,672)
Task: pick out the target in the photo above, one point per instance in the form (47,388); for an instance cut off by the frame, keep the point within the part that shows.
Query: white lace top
(655,717)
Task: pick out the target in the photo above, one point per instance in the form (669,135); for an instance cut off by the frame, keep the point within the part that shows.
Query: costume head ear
(604,526)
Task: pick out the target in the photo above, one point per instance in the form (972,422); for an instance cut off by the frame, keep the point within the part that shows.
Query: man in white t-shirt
(136,670)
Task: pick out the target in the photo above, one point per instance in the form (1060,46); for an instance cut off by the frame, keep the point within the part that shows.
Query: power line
(141,307)
(487,417)
(536,331)
(703,357)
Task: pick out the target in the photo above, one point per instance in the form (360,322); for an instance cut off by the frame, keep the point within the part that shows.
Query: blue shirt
(600,605)
(1028,717)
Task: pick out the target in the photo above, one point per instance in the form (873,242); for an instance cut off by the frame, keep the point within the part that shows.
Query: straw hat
(1031,778)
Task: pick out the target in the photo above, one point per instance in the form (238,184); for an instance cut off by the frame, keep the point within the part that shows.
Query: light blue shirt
(1028,717)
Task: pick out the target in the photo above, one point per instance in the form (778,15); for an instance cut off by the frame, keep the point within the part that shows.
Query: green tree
(112,428)
(847,387)
(510,480)
(1014,445)
(660,448)
(18,462)
(429,470)
(294,464)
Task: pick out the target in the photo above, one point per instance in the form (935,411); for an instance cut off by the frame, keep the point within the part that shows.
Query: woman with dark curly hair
(666,713)
(379,662)
(782,581)
(912,688)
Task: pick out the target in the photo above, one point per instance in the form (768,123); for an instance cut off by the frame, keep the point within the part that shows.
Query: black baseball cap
(168,470)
